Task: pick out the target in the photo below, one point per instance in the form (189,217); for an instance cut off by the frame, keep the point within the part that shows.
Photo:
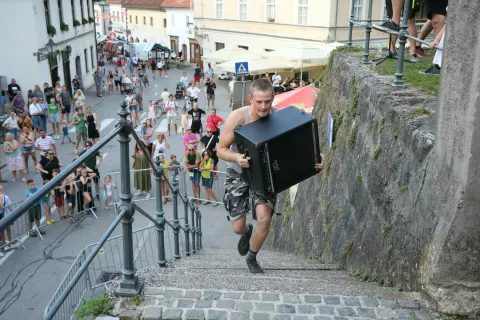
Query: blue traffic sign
(241,68)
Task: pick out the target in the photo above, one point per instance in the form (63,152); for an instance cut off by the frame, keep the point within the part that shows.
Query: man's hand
(434,43)
(243,161)
(319,166)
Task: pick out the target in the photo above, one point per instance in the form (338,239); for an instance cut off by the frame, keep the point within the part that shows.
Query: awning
(101,37)
(155,47)
(228,54)
(304,55)
(302,98)
(257,66)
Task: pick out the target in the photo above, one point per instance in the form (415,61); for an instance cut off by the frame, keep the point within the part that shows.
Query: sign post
(241,69)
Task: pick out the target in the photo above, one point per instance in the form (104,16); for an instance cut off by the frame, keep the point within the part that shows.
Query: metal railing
(402,35)
(83,273)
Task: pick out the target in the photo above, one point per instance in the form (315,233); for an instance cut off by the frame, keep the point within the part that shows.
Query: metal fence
(402,36)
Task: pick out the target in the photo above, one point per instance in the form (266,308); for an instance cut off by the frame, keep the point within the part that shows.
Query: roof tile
(176,4)
(144,4)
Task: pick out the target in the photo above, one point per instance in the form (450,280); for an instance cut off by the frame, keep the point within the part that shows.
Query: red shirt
(213,121)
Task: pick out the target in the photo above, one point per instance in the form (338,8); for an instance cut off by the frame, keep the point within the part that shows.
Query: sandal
(8,248)
(3,181)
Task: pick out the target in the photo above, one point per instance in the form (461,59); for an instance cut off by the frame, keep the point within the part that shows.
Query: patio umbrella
(302,98)
(234,53)
(257,66)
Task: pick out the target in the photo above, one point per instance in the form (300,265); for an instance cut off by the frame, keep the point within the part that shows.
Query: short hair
(30,181)
(170,95)
(207,152)
(261,85)
(213,109)
(55,170)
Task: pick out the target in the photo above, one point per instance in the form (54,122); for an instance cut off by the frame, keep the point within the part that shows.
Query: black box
(284,148)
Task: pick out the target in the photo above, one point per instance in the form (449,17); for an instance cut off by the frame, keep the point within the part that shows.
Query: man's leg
(264,216)
(438,20)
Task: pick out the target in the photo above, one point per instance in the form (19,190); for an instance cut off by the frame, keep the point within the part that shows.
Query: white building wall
(19,60)
(177,26)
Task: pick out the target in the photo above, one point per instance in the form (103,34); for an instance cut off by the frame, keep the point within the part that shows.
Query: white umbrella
(234,53)
(257,66)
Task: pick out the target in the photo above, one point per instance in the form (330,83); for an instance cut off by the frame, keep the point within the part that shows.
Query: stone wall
(378,202)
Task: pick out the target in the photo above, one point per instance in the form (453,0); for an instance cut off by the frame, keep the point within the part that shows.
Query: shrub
(51,31)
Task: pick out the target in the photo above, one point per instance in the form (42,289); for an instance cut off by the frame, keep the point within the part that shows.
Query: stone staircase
(215,284)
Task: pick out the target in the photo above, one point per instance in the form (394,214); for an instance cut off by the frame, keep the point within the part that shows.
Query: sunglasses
(51,154)
(209,131)
(88,145)
(191,150)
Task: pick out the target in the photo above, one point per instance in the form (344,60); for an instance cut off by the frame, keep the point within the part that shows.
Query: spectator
(175,167)
(276,81)
(171,107)
(24,121)
(27,139)
(65,133)
(209,142)
(92,163)
(12,90)
(48,92)
(44,115)
(196,114)
(108,187)
(184,120)
(36,114)
(164,96)
(160,146)
(4,203)
(97,77)
(48,164)
(211,87)
(192,160)
(146,133)
(160,68)
(184,80)
(35,212)
(139,90)
(11,126)
(44,143)
(214,122)
(165,189)
(152,113)
(58,195)
(17,103)
(86,177)
(79,122)
(65,103)
(133,106)
(54,117)
(71,190)
(38,92)
(267,76)
(141,177)
(79,97)
(47,203)
(193,92)
(196,75)
(93,125)
(76,84)
(230,89)
(205,167)
(13,157)
(190,139)
(437,60)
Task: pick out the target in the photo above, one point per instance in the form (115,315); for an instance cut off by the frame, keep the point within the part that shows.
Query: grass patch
(347,250)
(358,275)
(422,111)
(387,227)
(358,178)
(382,126)
(403,188)
(137,300)
(352,136)
(376,153)
(411,75)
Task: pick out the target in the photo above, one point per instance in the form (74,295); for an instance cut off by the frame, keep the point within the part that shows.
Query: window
(270,10)
(151,21)
(302,12)
(72,3)
(219,46)
(358,10)
(121,13)
(91,57)
(86,60)
(243,47)
(219,9)
(60,10)
(188,20)
(136,19)
(173,20)
(144,20)
(88,7)
(130,18)
(269,50)
(242,9)
(47,14)
(164,23)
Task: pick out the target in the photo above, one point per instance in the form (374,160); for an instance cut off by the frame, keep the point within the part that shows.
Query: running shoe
(244,242)
(431,71)
(253,266)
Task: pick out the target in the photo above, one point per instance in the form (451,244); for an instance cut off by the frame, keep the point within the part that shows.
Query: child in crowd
(165,164)
(104,87)
(65,132)
(145,81)
(71,190)
(151,112)
(47,205)
(59,195)
(175,167)
(108,187)
(184,120)
(35,212)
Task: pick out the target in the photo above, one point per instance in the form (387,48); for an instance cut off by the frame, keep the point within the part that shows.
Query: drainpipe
(336,18)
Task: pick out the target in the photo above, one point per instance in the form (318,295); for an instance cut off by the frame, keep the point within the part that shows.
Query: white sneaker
(148,196)
(138,193)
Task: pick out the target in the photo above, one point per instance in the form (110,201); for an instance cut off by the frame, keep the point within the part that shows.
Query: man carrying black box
(237,192)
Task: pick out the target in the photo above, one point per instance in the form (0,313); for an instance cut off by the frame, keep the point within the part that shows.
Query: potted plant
(51,31)
(271,19)
(64,27)
(76,23)
(68,49)
(91,20)
(84,21)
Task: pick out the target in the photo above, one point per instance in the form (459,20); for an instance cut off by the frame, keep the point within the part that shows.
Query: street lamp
(50,45)
(50,49)
(110,24)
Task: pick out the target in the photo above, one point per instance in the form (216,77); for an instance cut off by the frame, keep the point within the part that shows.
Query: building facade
(110,17)
(69,23)
(146,21)
(180,29)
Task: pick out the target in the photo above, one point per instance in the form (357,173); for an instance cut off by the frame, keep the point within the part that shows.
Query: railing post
(199,228)
(350,30)
(398,82)
(176,190)
(368,30)
(194,229)
(176,230)
(129,285)
(160,227)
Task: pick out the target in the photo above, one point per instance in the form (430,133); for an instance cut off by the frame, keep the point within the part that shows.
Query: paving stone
(172,314)
(239,316)
(251,296)
(153,291)
(260,316)
(130,314)
(202,304)
(408,304)
(267,307)
(291,298)
(270,297)
(285,308)
(192,294)
(370,302)
(169,293)
(226,304)
(366,312)
(322,318)
(306,309)
(346,312)
(300,318)
(331,300)
(423,314)
(340,318)
(216,315)
(212,295)
(152,313)
(244,306)
(184,303)
(385,313)
(282,317)
(194,315)
(351,302)
(390,304)
(404,314)
(313,299)
(327,310)
(149,301)
(232,295)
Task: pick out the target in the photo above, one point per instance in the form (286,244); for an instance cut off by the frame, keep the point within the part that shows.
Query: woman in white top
(184,80)
(146,133)
(80,98)
(160,146)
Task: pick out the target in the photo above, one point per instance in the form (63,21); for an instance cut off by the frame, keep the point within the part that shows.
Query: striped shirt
(44,144)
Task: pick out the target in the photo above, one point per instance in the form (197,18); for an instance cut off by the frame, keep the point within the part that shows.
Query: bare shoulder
(236,117)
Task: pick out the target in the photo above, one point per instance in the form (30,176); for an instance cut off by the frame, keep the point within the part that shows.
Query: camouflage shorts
(238,195)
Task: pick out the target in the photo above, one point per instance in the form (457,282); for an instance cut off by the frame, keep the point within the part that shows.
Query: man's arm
(100,156)
(228,137)
(54,146)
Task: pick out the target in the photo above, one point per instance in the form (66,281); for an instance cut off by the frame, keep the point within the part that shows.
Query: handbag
(216,128)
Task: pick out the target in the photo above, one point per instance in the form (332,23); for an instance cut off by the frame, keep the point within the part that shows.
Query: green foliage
(352,106)
(328,167)
(352,137)
(337,122)
(419,112)
(51,31)
(137,300)
(95,307)
(374,277)
(91,20)
(382,126)
(449,317)
(399,288)
(358,275)
(84,21)
(403,188)
(387,227)
(395,135)
(376,153)
(76,23)
(338,213)
(358,177)
(329,203)
(347,250)
(287,209)
(64,27)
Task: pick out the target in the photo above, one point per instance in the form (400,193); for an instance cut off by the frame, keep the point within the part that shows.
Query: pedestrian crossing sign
(241,68)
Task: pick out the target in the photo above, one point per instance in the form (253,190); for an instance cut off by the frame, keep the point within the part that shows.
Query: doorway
(184,52)
(66,71)
(78,67)
(195,53)
(174,44)
(52,62)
